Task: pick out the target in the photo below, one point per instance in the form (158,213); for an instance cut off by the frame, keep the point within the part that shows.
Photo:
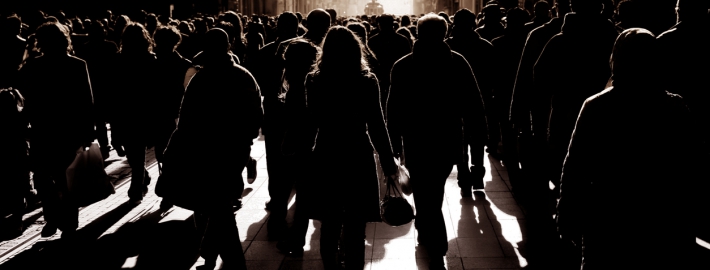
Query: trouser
(428,177)
(51,182)
(220,237)
(135,153)
(101,132)
(281,180)
(477,170)
(352,228)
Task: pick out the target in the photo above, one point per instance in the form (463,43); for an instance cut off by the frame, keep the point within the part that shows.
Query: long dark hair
(53,38)
(342,52)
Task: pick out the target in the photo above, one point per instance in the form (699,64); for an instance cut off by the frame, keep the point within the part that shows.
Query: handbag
(403,177)
(87,181)
(395,210)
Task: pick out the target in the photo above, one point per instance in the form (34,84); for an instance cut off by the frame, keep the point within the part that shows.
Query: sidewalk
(485,232)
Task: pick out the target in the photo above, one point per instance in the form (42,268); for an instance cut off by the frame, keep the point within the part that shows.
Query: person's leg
(135,153)
(329,237)
(464,174)
(102,135)
(478,169)
(68,211)
(280,186)
(226,233)
(49,195)
(208,249)
(354,236)
(428,181)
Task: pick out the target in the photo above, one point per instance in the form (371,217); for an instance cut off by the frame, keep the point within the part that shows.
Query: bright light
(397,7)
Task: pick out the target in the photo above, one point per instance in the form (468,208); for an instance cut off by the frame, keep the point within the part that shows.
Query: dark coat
(617,211)
(11,58)
(522,103)
(684,60)
(509,49)
(346,111)
(134,115)
(221,103)
(388,47)
(480,55)
(100,56)
(14,165)
(426,115)
(170,73)
(574,66)
(61,114)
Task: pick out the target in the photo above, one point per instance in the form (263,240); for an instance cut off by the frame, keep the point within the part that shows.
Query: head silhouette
(431,28)
(386,23)
(135,39)
(299,58)
(167,38)
(517,18)
(492,13)
(562,7)
(342,52)
(632,59)
(216,42)
(11,26)
(287,25)
(121,23)
(53,39)
(464,20)
(318,23)
(406,21)
(587,7)
(542,10)
(97,30)
(333,15)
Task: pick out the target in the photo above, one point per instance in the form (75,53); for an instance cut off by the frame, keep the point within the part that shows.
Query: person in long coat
(343,101)
(134,115)
(479,54)
(14,169)
(62,121)
(613,214)
(571,68)
(431,139)
(220,97)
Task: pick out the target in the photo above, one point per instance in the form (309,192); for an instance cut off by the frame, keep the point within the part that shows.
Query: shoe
(48,230)
(165,205)
(267,205)
(477,174)
(237,205)
(251,171)
(436,263)
(207,266)
(135,201)
(105,152)
(68,235)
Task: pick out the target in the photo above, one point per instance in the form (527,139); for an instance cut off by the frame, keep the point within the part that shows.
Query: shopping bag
(395,210)
(403,176)
(87,181)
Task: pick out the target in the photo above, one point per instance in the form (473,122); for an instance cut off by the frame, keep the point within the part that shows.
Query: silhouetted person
(684,58)
(59,107)
(527,105)
(388,47)
(13,50)
(419,135)
(344,102)
(239,48)
(188,45)
(508,49)
(172,68)
(298,61)
(605,211)
(14,169)
(118,27)
(542,16)
(479,54)
(221,95)
(255,41)
(100,56)
(490,26)
(588,39)
(133,125)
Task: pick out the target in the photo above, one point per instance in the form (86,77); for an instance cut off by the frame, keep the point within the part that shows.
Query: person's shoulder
(600,97)
(403,62)
(670,34)
(76,60)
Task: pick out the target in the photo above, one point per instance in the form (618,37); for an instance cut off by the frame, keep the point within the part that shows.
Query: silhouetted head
(692,10)
(333,15)
(216,42)
(97,30)
(287,25)
(342,52)
(184,28)
(233,18)
(318,22)
(228,28)
(464,19)
(53,39)
(299,16)
(445,16)
(542,9)
(360,30)
(562,7)
(121,23)
(151,23)
(633,57)
(12,26)
(167,39)
(299,58)
(386,22)
(587,7)
(135,39)
(431,28)
(406,21)
(492,13)
(405,32)
(516,18)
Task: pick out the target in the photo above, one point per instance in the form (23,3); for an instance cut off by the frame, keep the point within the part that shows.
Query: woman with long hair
(132,126)
(343,99)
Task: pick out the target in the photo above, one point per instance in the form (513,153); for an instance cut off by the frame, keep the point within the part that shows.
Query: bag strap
(392,188)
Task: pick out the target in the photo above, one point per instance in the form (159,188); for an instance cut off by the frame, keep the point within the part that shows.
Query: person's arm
(255,112)
(301,131)
(472,105)
(376,125)
(574,182)
(519,109)
(86,104)
(394,108)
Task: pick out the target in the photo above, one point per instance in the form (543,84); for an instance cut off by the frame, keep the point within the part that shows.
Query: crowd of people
(592,116)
